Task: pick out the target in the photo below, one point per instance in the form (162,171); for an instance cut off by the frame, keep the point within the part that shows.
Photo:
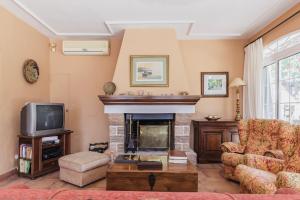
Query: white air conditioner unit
(86,48)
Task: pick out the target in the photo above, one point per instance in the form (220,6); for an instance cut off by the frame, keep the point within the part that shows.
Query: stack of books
(25,158)
(25,166)
(25,151)
(178,157)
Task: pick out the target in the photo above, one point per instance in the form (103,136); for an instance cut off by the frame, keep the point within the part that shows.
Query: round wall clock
(31,71)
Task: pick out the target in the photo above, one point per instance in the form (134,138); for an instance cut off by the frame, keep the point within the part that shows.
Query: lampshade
(237,82)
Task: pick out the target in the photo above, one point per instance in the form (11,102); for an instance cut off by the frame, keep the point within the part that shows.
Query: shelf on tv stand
(51,160)
(38,166)
(47,146)
(47,135)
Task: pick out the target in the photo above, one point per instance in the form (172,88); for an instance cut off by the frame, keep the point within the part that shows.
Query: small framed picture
(149,71)
(214,84)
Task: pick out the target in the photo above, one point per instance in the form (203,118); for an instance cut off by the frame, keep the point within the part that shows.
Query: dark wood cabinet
(38,166)
(208,137)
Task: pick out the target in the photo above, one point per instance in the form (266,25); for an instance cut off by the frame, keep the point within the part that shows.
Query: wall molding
(7,174)
(189,33)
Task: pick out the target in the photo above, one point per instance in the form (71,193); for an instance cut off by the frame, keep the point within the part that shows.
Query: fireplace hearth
(149,132)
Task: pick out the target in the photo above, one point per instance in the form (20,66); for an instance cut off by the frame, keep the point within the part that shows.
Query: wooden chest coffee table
(172,178)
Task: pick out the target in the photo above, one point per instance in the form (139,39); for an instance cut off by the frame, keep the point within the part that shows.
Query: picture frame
(214,84)
(149,71)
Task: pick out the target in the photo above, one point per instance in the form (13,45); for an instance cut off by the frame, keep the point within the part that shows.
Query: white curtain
(268,95)
(253,69)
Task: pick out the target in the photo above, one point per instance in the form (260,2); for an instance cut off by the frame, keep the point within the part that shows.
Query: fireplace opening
(149,132)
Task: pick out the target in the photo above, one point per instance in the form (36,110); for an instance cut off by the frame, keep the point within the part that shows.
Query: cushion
(287,139)
(293,162)
(232,159)
(265,163)
(274,154)
(263,136)
(255,180)
(288,180)
(243,131)
(83,161)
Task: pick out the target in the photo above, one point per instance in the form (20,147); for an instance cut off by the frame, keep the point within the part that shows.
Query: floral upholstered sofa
(257,136)
(273,167)
(265,175)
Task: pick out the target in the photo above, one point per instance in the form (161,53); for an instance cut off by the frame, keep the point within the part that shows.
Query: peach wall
(18,42)
(151,42)
(213,56)
(77,81)
(187,59)
(288,27)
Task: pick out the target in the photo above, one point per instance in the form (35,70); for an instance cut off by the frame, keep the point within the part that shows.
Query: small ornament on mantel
(140,92)
(109,88)
(212,118)
(183,93)
(130,93)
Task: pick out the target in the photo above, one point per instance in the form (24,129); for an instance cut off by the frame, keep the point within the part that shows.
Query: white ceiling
(192,19)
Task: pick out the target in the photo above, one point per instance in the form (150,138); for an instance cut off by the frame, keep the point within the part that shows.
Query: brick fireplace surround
(182,106)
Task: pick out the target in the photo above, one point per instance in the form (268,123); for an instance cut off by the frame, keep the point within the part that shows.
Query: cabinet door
(210,147)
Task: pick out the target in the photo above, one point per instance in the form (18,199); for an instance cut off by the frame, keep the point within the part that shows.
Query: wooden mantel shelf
(149,100)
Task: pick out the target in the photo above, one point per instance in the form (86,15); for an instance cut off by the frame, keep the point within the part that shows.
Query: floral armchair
(265,175)
(257,136)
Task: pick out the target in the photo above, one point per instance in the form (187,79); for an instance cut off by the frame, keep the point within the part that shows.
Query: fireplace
(149,132)
(158,123)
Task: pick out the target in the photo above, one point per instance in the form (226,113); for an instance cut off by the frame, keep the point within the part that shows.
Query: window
(270,91)
(281,85)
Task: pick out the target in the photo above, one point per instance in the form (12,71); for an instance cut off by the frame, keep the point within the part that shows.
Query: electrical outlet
(16,156)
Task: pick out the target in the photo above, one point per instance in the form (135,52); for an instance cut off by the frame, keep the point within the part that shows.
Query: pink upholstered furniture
(257,136)
(36,194)
(261,174)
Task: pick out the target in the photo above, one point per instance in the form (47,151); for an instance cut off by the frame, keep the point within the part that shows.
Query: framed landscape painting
(149,71)
(214,84)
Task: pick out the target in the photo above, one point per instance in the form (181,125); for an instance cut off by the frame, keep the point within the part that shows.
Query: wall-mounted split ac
(86,48)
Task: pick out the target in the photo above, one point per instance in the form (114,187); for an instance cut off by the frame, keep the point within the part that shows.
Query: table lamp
(236,84)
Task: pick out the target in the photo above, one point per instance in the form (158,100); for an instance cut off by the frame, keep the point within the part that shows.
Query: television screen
(49,117)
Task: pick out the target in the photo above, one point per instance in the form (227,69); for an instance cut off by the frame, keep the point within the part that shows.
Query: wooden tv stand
(39,166)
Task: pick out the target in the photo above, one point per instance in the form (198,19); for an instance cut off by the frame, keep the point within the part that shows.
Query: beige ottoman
(83,168)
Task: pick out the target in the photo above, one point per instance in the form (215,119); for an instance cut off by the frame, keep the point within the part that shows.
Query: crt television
(42,118)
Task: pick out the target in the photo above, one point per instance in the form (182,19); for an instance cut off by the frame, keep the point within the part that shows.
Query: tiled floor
(210,180)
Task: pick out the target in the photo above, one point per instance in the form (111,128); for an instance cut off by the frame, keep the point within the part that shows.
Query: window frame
(277,102)
(275,58)
(290,51)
